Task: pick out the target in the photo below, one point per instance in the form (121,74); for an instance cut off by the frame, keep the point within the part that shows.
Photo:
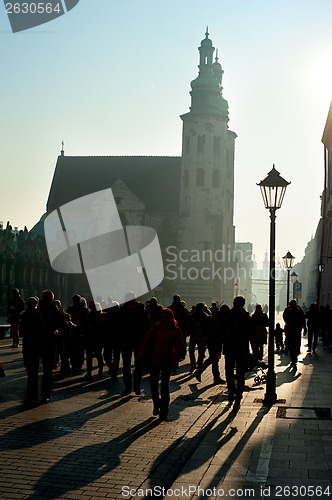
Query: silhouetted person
(214,309)
(313,323)
(258,339)
(304,308)
(112,345)
(154,310)
(134,325)
(294,323)
(41,326)
(214,336)
(15,307)
(94,341)
(30,348)
(236,350)
(278,337)
(198,324)
(162,346)
(78,313)
(181,315)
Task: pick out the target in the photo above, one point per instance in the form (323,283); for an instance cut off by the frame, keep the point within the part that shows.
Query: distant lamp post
(236,285)
(294,277)
(273,189)
(321,268)
(288,263)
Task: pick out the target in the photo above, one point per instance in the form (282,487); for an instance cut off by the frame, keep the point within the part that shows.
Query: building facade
(324,288)
(188,200)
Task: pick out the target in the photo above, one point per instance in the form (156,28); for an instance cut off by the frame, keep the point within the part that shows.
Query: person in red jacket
(161,348)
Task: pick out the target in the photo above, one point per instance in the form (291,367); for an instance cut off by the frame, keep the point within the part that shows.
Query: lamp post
(273,189)
(288,263)
(236,285)
(294,280)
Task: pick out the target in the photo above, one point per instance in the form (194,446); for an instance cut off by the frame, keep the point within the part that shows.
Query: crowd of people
(155,339)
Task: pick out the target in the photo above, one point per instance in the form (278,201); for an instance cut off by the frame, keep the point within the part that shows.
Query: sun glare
(322,75)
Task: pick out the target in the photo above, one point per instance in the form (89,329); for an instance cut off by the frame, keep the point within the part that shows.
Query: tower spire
(62,150)
(207,32)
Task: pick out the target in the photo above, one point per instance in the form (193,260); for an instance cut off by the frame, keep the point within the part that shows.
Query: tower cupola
(206,93)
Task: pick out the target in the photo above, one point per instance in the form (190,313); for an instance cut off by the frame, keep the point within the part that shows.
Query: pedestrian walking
(278,335)
(313,323)
(214,337)
(181,315)
(112,347)
(236,350)
(294,323)
(78,312)
(134,325)
(15,307)
(258,339)
(198,324)
(154,310)
(214,309)
(94,338)
(162,346)
(40,326)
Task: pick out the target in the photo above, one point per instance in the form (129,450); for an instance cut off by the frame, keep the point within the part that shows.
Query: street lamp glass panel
(273,189)
(288,260)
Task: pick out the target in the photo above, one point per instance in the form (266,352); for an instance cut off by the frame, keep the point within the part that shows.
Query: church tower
(206,227)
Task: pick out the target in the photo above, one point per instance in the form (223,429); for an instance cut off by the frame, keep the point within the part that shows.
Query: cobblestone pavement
(91,443)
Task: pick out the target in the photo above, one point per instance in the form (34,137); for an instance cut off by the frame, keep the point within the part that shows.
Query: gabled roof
(154,179)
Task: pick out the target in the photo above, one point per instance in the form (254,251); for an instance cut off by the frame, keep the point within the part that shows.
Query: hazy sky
(112,78)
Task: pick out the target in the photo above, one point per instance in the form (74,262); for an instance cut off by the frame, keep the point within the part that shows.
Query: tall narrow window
(200,177)
(216,147)
(200,143)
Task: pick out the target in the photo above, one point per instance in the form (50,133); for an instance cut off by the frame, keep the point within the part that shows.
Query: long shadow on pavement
(221,474)
(180,452)
(49,429)
(75,470)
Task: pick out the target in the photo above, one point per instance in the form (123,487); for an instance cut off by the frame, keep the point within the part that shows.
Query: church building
(188,200)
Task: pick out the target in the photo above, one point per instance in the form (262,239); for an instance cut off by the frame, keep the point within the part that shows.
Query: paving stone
(89,442)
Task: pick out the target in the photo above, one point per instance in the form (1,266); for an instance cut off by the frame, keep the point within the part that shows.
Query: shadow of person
(42,431)
(287,376)
(215,437)
(88,464)
(182,401)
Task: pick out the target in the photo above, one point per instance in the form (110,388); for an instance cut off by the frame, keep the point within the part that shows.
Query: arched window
(216,147)
(200,177)
(216,178)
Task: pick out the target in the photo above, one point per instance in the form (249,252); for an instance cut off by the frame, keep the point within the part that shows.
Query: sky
(112,78)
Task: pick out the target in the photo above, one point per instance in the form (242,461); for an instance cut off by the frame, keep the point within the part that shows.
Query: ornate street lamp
(288,263)
(273,189)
